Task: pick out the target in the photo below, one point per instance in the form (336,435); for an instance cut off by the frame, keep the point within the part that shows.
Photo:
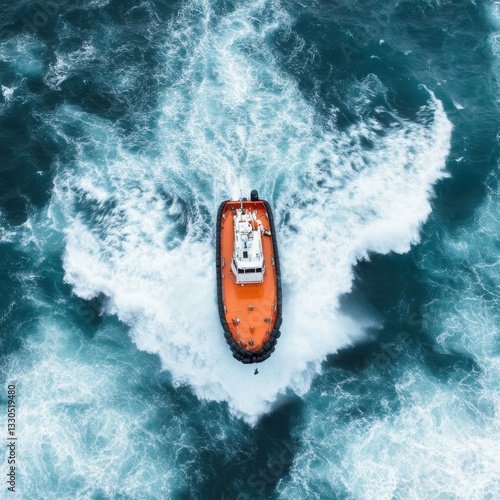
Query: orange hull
(250,313)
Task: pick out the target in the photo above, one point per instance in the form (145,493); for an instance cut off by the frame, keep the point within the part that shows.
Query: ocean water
(372,129)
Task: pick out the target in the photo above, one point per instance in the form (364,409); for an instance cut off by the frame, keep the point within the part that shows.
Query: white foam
(74,420)
(21,54)
(7,92)
(233,121)
(493,11)
(69,63)
(443,442)
(469,317)
(437,434)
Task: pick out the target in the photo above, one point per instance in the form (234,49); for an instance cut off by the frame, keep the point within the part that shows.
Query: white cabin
(248,263)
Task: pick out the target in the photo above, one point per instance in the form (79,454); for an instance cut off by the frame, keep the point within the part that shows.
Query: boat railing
(233,276)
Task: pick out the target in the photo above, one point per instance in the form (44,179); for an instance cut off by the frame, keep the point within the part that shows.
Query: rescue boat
(248,278)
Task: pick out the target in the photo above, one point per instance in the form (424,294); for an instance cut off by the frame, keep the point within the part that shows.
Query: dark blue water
(373,131)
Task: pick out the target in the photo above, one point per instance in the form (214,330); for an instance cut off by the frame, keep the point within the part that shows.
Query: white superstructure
(248,264)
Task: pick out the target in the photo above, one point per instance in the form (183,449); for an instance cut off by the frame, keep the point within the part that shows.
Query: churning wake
(138,216)
(123,126)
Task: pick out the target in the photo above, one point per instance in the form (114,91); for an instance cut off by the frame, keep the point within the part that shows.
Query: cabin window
(245,254)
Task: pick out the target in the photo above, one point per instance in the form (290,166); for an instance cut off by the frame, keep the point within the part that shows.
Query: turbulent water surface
(371,127)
